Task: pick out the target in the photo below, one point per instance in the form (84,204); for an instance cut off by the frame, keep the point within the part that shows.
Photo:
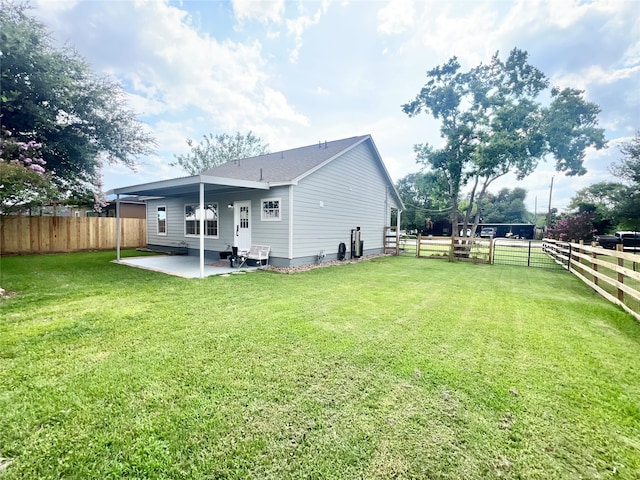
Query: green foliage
(21,188)
(422,195)
(115,372)
(493,123)
(506,207)
(603,199)
(628,168)
(212,151)
(51,96)
(615,205)
(23,183)
(570,128)
(573,227)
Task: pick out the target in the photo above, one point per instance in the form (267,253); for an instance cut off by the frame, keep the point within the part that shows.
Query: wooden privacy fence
(614,274)
(24,235)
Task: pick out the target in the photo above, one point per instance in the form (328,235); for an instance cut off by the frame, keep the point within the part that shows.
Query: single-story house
(302,203)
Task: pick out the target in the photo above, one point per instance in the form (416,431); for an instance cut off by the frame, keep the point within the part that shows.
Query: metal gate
(524,253)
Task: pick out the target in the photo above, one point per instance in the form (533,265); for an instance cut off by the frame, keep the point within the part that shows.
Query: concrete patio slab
(182,265)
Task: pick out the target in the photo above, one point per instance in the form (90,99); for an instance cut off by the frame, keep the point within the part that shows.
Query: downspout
(118,227)
(202,215)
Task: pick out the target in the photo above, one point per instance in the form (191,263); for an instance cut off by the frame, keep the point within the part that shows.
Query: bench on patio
(257,253)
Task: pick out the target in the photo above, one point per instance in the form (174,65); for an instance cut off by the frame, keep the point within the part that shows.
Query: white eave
(187,185)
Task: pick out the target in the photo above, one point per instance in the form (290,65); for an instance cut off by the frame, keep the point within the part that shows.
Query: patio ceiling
(179,187)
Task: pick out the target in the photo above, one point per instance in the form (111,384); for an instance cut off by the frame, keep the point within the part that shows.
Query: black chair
(233,258)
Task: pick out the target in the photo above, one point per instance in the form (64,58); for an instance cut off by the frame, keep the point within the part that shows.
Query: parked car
(627,239)
(488,232)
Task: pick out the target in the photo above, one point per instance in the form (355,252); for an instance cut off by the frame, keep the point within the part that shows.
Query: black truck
(627,239)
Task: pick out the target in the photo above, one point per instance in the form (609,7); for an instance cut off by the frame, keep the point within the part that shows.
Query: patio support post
(118,227)
(398,232)
(202,215)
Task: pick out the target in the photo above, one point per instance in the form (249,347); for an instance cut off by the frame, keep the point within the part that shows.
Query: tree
(421,194)
(603,199)
(573,227)
(212,151)
(23,181)
(50,96)
(628,168)
(506,207)
(493,123)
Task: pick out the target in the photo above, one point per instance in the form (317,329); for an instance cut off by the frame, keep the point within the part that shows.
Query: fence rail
(469,249)
(25,235)
(614,274)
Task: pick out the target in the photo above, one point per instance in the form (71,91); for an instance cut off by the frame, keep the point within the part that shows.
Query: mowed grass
(391,368)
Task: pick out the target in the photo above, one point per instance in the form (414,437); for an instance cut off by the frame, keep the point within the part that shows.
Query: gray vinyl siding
(272,233)
(349,192)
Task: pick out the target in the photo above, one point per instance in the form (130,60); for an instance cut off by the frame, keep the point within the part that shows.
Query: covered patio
(195,185)
(184,266)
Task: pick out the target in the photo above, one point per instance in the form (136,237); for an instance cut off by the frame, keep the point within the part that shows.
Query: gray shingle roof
(284,166)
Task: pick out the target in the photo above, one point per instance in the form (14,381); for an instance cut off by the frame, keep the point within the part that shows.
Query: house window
(192,217)
(162,220)
(271,209)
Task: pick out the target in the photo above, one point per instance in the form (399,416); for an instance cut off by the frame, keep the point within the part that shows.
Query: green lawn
(391,368)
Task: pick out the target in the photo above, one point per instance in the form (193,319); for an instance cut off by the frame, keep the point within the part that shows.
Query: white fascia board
(174,182)
(187,181)
(233,182)
(283,184)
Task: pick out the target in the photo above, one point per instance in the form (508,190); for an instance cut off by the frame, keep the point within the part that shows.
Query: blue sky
(296,73)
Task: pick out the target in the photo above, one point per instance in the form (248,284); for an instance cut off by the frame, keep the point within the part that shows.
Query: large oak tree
(493,122)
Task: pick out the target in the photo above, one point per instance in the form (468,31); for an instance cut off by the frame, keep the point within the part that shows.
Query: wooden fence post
(620,248)
(594,265)
(491,240)
(452,249)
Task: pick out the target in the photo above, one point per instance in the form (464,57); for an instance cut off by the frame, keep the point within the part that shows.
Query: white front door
(242,224)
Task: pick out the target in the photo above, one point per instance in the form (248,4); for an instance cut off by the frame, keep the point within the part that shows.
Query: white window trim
(166,226)
(266,218)
(197,205)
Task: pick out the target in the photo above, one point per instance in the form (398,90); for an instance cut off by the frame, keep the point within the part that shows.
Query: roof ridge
(320,144)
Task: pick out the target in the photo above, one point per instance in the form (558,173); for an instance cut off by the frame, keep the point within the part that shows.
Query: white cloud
(172,67)
(299,72)
(297,26)
(396,17)
(595,74)
(264,10)
(278,108)
(467,30)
